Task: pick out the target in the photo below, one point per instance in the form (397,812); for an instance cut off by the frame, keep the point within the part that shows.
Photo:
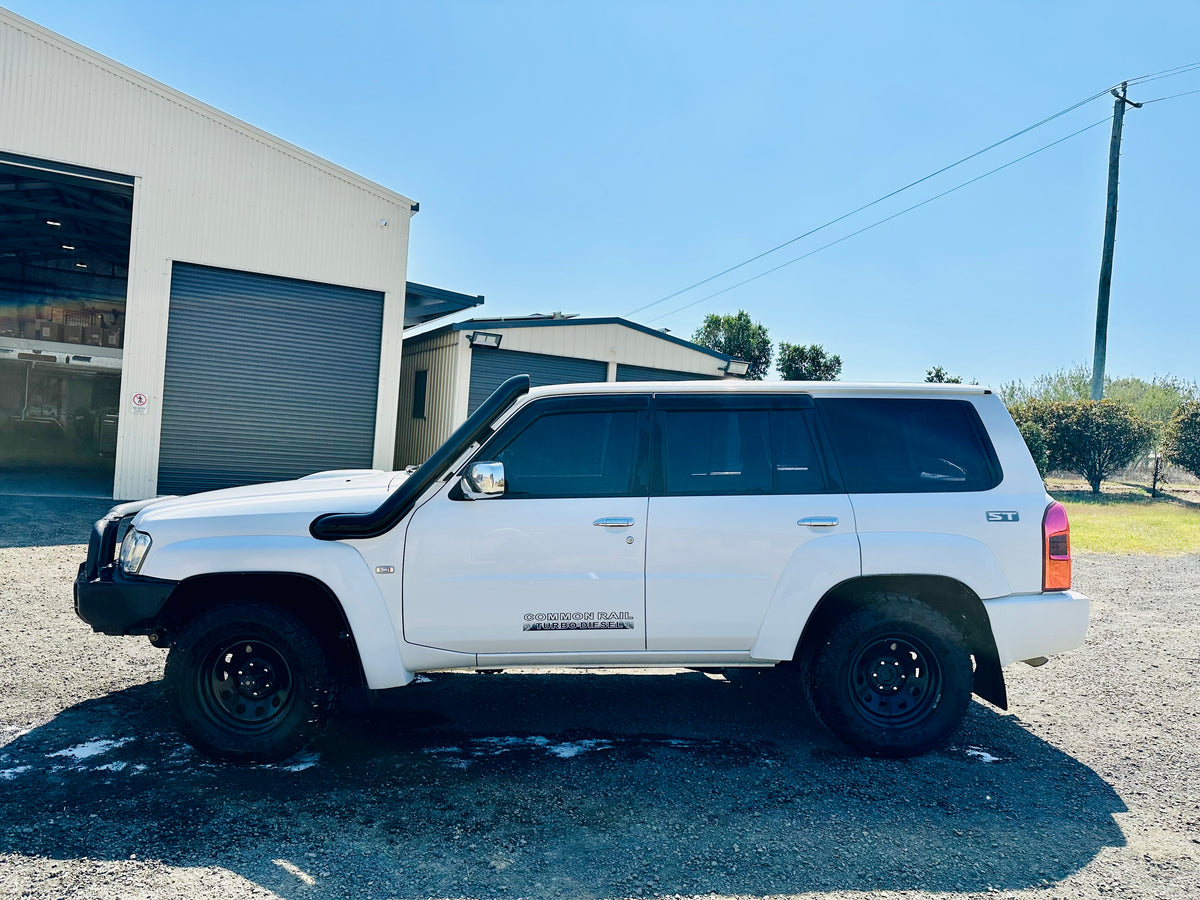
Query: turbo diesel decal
(578,621)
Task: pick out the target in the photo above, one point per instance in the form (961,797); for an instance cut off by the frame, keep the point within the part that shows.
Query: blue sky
(595,157)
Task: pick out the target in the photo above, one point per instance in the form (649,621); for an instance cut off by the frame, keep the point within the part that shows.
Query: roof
(423,303)
(737,385)
(219,118)
(501,324)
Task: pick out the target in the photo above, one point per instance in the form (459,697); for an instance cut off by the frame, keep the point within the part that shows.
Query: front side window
(572,454)
(889,446)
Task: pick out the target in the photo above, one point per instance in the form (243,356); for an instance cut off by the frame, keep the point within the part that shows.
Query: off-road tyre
(249,682)
(890,677)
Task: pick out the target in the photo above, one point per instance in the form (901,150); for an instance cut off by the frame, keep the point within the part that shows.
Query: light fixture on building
(736,367)
(54,223)
(68,246)
(485,339)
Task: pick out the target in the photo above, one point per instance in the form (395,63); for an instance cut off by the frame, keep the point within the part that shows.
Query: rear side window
(886,446)
(739,451)
(717,452)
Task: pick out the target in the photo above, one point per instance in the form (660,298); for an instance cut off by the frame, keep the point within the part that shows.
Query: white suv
(881,537)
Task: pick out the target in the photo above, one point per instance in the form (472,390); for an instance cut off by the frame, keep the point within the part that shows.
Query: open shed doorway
(64,257)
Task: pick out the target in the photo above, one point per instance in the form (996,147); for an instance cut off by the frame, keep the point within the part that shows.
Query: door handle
(614,522)
(819,521)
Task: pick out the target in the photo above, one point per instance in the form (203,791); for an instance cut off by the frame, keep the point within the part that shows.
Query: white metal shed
(244,254)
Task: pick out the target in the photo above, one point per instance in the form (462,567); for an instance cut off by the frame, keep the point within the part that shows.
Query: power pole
(1110,234)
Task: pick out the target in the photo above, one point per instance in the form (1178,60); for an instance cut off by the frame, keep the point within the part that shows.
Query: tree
(798,362)
(938,375)
(1094,438)
(1155,401)
(1182,438)
(739,337)
(1065,384)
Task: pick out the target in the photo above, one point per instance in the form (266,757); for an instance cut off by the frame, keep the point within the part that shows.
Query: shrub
(1093,438)
(1035,440)
(1181,441)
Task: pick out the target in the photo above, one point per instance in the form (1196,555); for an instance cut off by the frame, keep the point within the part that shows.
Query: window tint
(794,455)
(716,452)
(572,454)
(910,446)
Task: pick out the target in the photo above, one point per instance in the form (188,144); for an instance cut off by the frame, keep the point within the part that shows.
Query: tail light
(1056,549)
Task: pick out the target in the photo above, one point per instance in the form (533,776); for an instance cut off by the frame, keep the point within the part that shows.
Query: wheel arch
(948,596)
(304,596)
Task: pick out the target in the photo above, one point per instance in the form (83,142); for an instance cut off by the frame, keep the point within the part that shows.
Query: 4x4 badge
(1003,516)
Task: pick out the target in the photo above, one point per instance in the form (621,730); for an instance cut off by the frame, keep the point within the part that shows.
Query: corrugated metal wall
(489,368)
(266,379)
(646,373)
(437,354)
(209,190)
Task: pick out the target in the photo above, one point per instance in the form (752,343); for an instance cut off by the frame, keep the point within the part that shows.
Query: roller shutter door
(489,368)
(644,373)
(266,379)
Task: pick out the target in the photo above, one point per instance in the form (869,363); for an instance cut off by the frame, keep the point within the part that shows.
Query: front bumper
(1027,626)
(114,603)
(105,597)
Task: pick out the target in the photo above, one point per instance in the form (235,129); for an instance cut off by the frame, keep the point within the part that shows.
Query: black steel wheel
(891,677)
(249,682)
(245,684)
(895,680)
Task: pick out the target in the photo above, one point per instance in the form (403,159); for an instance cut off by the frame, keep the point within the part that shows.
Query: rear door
(740,491)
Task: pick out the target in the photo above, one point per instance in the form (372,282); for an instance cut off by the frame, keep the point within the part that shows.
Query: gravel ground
(613,785)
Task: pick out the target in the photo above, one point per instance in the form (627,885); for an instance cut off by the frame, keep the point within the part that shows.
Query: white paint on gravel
(301,761)
(480,748)
(982,755)
(10,774)
(88,749)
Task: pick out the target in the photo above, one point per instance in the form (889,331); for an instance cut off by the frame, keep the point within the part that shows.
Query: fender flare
(338,567)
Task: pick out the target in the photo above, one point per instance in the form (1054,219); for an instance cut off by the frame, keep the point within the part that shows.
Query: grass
(1124,519)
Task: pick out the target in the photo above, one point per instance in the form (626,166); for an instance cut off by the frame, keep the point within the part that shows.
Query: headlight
(133,550)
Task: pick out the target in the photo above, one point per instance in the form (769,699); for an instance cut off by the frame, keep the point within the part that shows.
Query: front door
(555,564)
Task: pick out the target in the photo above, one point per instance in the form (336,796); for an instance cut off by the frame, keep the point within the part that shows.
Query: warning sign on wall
(138,404)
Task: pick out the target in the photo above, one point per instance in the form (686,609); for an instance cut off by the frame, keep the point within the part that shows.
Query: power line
(1165,73)
(1153,76)
(881,221)
(1171,97)
(875,202)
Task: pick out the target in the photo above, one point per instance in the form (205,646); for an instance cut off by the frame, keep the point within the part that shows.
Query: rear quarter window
(894,446)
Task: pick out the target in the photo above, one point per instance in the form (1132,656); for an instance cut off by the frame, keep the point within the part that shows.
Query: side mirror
(483,481)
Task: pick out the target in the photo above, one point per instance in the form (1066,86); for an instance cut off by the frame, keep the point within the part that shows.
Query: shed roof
(218,118)
(560,321)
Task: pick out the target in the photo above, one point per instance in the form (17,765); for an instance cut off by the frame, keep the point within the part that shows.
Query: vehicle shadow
(518,785)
